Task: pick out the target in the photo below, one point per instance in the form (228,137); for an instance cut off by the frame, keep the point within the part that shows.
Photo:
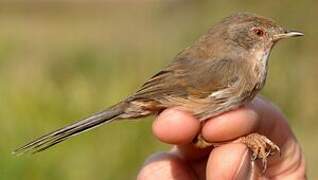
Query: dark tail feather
(74,129)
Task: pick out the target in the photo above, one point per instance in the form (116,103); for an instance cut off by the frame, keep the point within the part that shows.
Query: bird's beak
(288,34)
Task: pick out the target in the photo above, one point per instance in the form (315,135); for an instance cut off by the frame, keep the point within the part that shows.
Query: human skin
(230,159)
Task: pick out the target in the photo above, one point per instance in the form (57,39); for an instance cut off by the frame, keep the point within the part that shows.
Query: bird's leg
(260,146)
(200,142)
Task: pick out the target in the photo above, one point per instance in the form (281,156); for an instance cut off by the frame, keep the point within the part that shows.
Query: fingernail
(244,170)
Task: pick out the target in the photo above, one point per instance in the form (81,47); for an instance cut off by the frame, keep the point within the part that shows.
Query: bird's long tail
(74,129)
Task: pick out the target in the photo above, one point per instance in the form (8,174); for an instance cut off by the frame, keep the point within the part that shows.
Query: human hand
(228,161)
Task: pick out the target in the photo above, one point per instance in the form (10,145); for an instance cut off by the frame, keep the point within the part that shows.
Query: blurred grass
(62,60)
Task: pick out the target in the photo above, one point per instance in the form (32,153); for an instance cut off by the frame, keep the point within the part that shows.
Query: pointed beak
(288,34)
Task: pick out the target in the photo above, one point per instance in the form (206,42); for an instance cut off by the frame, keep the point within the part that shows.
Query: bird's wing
(188,79)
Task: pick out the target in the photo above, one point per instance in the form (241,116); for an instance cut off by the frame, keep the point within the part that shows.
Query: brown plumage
(222,70)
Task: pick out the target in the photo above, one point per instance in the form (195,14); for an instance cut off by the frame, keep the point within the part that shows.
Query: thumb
(229,161)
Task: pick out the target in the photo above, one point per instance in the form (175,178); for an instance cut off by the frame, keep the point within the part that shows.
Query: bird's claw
(261,147)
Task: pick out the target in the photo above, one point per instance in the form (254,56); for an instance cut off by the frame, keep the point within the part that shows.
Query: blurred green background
(62,60)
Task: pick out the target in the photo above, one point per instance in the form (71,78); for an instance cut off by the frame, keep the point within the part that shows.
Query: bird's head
(251,31)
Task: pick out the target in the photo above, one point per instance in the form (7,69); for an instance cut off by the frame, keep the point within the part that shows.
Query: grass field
(62,60)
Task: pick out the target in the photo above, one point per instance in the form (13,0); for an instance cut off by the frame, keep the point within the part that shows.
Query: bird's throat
(261,65)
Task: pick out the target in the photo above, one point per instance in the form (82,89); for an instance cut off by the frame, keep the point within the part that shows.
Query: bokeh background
(63,60)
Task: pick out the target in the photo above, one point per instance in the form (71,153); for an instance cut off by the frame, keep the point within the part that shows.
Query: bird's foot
(260,146)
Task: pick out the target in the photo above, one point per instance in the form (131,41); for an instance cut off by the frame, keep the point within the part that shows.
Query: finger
(190,152)
(231,125)
(230,161)
(262,117)
(174,126)
(165,166)
(257,116)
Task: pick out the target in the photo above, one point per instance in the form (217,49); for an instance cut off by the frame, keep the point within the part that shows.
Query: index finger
(257,116)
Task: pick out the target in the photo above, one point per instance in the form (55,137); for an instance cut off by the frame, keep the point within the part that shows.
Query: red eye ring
(259,32)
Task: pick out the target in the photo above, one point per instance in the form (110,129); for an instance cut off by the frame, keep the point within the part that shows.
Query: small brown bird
(224,69)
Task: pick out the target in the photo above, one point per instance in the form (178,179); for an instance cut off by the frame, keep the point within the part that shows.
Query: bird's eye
(259,32)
